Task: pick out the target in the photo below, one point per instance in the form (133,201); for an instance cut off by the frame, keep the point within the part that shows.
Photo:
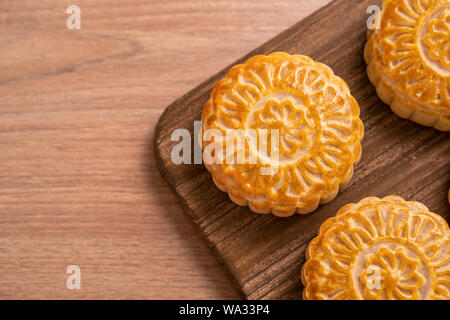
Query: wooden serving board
(263,253)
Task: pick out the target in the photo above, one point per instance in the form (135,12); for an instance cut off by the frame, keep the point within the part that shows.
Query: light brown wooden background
(78,181)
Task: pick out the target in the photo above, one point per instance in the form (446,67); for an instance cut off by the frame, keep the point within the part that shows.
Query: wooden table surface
(78,180)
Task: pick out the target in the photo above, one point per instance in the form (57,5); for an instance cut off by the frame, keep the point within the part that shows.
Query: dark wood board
(263,253)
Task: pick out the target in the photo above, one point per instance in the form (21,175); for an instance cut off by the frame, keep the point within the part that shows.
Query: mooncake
(408,59)
(302,112)
(379,249)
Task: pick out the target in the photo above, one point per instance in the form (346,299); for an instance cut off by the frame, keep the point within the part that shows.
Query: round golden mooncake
(408,59)
(318,134)
(379,249)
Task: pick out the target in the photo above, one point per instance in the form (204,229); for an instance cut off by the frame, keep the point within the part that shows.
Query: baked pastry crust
(404,241)
(408,60)
(319,125)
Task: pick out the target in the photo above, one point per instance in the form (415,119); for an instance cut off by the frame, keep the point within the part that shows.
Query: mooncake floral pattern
(403,241)
(437,40)
(291,123)
(318,124)
(399,275)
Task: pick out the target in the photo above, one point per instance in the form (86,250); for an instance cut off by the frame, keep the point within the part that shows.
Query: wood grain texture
(78,179)
(264,254)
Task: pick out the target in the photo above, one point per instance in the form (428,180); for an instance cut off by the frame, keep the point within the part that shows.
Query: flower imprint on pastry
(403,241)
(435,44)
(318,124)
(296,127)
(399,274)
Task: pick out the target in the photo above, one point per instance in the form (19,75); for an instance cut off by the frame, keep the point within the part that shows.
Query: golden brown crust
(408,60)
(319,132)
(406,244)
